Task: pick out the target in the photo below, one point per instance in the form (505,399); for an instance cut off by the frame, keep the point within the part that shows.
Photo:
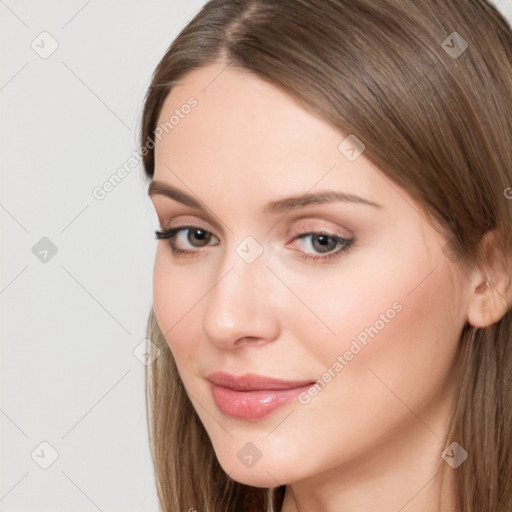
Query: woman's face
(355,293)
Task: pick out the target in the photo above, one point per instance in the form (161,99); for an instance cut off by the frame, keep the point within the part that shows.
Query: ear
(490,285)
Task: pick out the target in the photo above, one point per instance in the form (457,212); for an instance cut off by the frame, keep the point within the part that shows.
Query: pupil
(324,243)
(197,236)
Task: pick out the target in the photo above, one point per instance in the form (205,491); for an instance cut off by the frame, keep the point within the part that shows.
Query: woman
(332,287)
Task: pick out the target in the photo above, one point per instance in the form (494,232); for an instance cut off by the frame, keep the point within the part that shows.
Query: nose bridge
(238,304)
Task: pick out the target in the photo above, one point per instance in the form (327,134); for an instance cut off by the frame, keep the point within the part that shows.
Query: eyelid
(338,238)
(173,216)
(187,222)
(307,227)
(312,226)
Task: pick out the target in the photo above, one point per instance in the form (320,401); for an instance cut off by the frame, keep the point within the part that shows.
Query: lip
(251,396)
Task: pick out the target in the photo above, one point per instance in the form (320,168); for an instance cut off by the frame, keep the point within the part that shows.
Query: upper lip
(252,381)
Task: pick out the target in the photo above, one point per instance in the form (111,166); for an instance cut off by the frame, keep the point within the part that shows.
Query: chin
(256,477)
(263,473)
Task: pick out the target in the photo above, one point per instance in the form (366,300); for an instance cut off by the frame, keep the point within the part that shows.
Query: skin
(372,438)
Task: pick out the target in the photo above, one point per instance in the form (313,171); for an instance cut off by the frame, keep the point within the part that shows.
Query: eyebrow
(275,207)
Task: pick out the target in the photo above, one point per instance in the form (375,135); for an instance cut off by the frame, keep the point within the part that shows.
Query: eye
(321,242)
(184,239)
(320,246)
(323,246)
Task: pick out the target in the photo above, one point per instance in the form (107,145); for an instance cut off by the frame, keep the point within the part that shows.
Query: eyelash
(169,234)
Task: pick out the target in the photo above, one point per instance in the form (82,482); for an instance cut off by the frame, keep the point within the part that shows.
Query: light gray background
(70,324)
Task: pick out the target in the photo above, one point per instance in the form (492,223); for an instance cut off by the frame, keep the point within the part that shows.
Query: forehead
(236,104)
(243,127)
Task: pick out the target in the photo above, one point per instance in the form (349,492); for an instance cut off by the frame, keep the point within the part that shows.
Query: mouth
(250,396)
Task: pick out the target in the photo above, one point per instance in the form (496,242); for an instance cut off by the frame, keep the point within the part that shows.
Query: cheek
(176,300)
(342,305)
(395,344)
(376,297)
(397,321)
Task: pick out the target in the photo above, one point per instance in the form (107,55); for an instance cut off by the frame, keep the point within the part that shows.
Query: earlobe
(491,288)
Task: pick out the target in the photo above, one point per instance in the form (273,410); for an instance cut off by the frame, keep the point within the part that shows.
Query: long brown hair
(427,87)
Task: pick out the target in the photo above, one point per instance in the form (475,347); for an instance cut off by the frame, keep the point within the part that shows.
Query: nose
(239,308)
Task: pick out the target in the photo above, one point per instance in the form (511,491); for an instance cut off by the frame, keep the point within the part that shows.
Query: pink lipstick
(251,396)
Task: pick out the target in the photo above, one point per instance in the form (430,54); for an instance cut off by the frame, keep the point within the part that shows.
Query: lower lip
(253,405)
